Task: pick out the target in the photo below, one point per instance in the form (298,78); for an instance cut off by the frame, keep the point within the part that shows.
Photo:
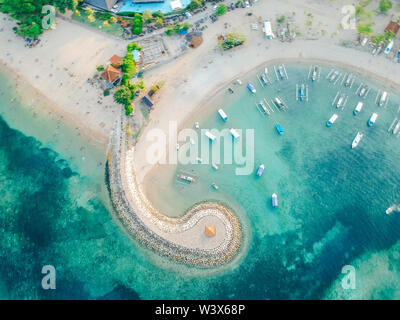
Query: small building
(393,26)
(210,231)
(115,61)
(196,41)
(147,102)
(102,4)
(111,76)
(268,30)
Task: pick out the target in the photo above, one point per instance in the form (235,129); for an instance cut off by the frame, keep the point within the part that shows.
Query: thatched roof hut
(196,41)
(210,231)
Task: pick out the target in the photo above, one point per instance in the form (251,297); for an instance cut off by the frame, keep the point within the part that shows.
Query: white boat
(363,91)
(274,200)
(396,128)
(340,102)
(215,166)
(372,120)
(251,88)
(223,115)
(210,136)
(234,133)
(383,99)
(332,120)
(238,81)
(266,71)
(196,125)
(357,140)
(358,108)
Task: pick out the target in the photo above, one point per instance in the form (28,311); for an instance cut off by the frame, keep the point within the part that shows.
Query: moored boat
(334,76)
(332,120)
(348,81)
(363,91)
(251,88)
(274,200)
(340,102)
(234,134)
(358,108)
(260,170)
(396,128)
(279,129)
(263,107)
(279,103)
(357,140)
(372,120)
(186,178)
(223,115)
(215,186)
(383,99)
(302,92)
(314,76)
(210,136)
(215,166)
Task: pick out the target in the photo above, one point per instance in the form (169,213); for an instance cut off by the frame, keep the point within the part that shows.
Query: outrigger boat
(302,92)
(263,107)
(363,91)
(332,120)
(186,178)
(383,99)
(260,170)
(340,102)
(279,103)
(358,108)
(357,140)
(281,72)
(251,88)
(274,200)
(349,79)
(264,79)
(334,75)
(314,76)
(279,129)
(396,128)
(230,90)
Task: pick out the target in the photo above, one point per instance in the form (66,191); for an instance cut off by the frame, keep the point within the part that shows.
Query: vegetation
(365,28)
(385,5)
(137,24)
(29,13)
(133,46)
(147,17)
(195,4)
(177,28)
(232,40)
(221,9)
(281,19)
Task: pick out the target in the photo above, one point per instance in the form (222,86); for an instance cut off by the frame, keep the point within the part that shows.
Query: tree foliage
(385,5)
(29,14)
(221,9)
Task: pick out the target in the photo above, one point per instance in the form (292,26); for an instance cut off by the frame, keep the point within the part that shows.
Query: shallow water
(54,206)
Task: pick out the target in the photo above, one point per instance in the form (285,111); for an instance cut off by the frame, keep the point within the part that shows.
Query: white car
(247,4)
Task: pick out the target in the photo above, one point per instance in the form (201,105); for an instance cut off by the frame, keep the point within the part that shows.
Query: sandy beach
(57,71)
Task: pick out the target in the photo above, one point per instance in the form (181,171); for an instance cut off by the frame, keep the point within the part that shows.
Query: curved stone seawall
(179,238)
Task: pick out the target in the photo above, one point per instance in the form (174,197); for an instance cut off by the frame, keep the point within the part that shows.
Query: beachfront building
(164,6)
(393,26)
(102,4)
(111,76)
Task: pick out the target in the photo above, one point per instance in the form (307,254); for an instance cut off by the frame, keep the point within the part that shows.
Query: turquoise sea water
(54,206)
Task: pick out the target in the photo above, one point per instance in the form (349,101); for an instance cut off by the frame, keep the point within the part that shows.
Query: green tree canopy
(29,14)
